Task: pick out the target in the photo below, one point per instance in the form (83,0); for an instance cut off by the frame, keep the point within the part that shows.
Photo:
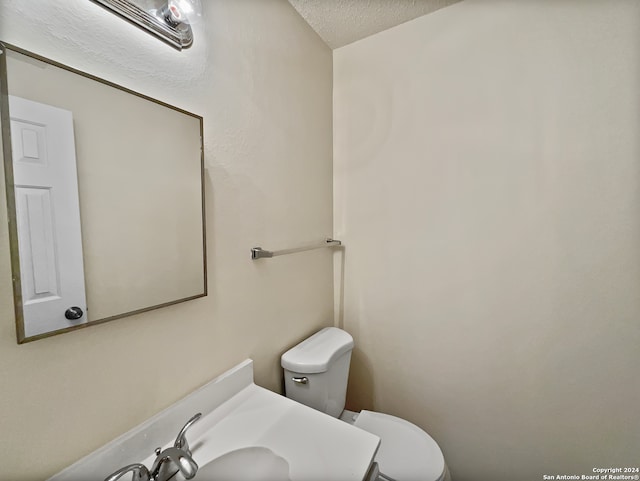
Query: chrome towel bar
(260,253)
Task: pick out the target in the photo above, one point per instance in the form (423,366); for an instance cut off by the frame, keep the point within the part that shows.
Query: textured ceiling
(340,22)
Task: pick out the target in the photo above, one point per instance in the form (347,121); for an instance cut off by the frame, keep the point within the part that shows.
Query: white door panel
(48,215)
(35,225)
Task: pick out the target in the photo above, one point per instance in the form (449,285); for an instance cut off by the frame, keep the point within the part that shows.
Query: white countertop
(239,414)
(316,446)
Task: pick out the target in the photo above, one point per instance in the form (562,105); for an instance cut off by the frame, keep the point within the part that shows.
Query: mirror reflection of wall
(139,184)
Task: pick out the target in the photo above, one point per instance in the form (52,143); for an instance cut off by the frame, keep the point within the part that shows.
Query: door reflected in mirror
(105,197)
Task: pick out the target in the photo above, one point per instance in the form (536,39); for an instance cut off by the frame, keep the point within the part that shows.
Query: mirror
(105,196)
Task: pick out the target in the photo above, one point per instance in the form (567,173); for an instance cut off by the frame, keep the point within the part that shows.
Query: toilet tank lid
(316,353)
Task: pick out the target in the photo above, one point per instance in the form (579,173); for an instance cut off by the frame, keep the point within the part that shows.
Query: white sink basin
(246,464)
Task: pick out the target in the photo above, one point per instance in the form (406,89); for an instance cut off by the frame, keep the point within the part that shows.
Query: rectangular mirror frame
(11,202)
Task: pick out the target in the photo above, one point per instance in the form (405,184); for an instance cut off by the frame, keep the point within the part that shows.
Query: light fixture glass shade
(183,11)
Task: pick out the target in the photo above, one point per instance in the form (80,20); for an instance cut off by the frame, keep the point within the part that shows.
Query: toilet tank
(316,371)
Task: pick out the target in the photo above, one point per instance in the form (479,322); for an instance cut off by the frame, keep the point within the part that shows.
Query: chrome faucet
(164,467)
(168,462)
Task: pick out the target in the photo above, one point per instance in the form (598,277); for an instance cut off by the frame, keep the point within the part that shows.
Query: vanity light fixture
(171,22)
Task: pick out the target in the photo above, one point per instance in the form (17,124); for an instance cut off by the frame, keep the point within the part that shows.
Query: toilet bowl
(316,374)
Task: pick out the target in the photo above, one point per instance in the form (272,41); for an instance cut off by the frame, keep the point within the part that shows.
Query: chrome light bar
(179,36)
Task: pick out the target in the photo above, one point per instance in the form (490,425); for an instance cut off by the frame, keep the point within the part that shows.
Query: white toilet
(316,373)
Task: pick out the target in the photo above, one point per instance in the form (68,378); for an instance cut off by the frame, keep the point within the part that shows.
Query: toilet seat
(406,452)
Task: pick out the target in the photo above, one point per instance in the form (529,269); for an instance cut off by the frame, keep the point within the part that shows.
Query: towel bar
(260,253)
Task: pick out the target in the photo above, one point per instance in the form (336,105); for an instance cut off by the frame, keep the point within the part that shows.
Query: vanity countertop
(238,414)
(316,446)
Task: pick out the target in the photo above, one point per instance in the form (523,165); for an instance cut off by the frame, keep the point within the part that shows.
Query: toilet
(316,372)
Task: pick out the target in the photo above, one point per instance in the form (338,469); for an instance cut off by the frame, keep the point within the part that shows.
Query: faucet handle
(181,440)
(140,473)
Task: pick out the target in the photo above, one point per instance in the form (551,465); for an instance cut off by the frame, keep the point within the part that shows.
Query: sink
(246,464)
(246,433)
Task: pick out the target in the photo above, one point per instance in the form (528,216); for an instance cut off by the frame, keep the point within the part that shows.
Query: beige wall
(487,188)
(262,80)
